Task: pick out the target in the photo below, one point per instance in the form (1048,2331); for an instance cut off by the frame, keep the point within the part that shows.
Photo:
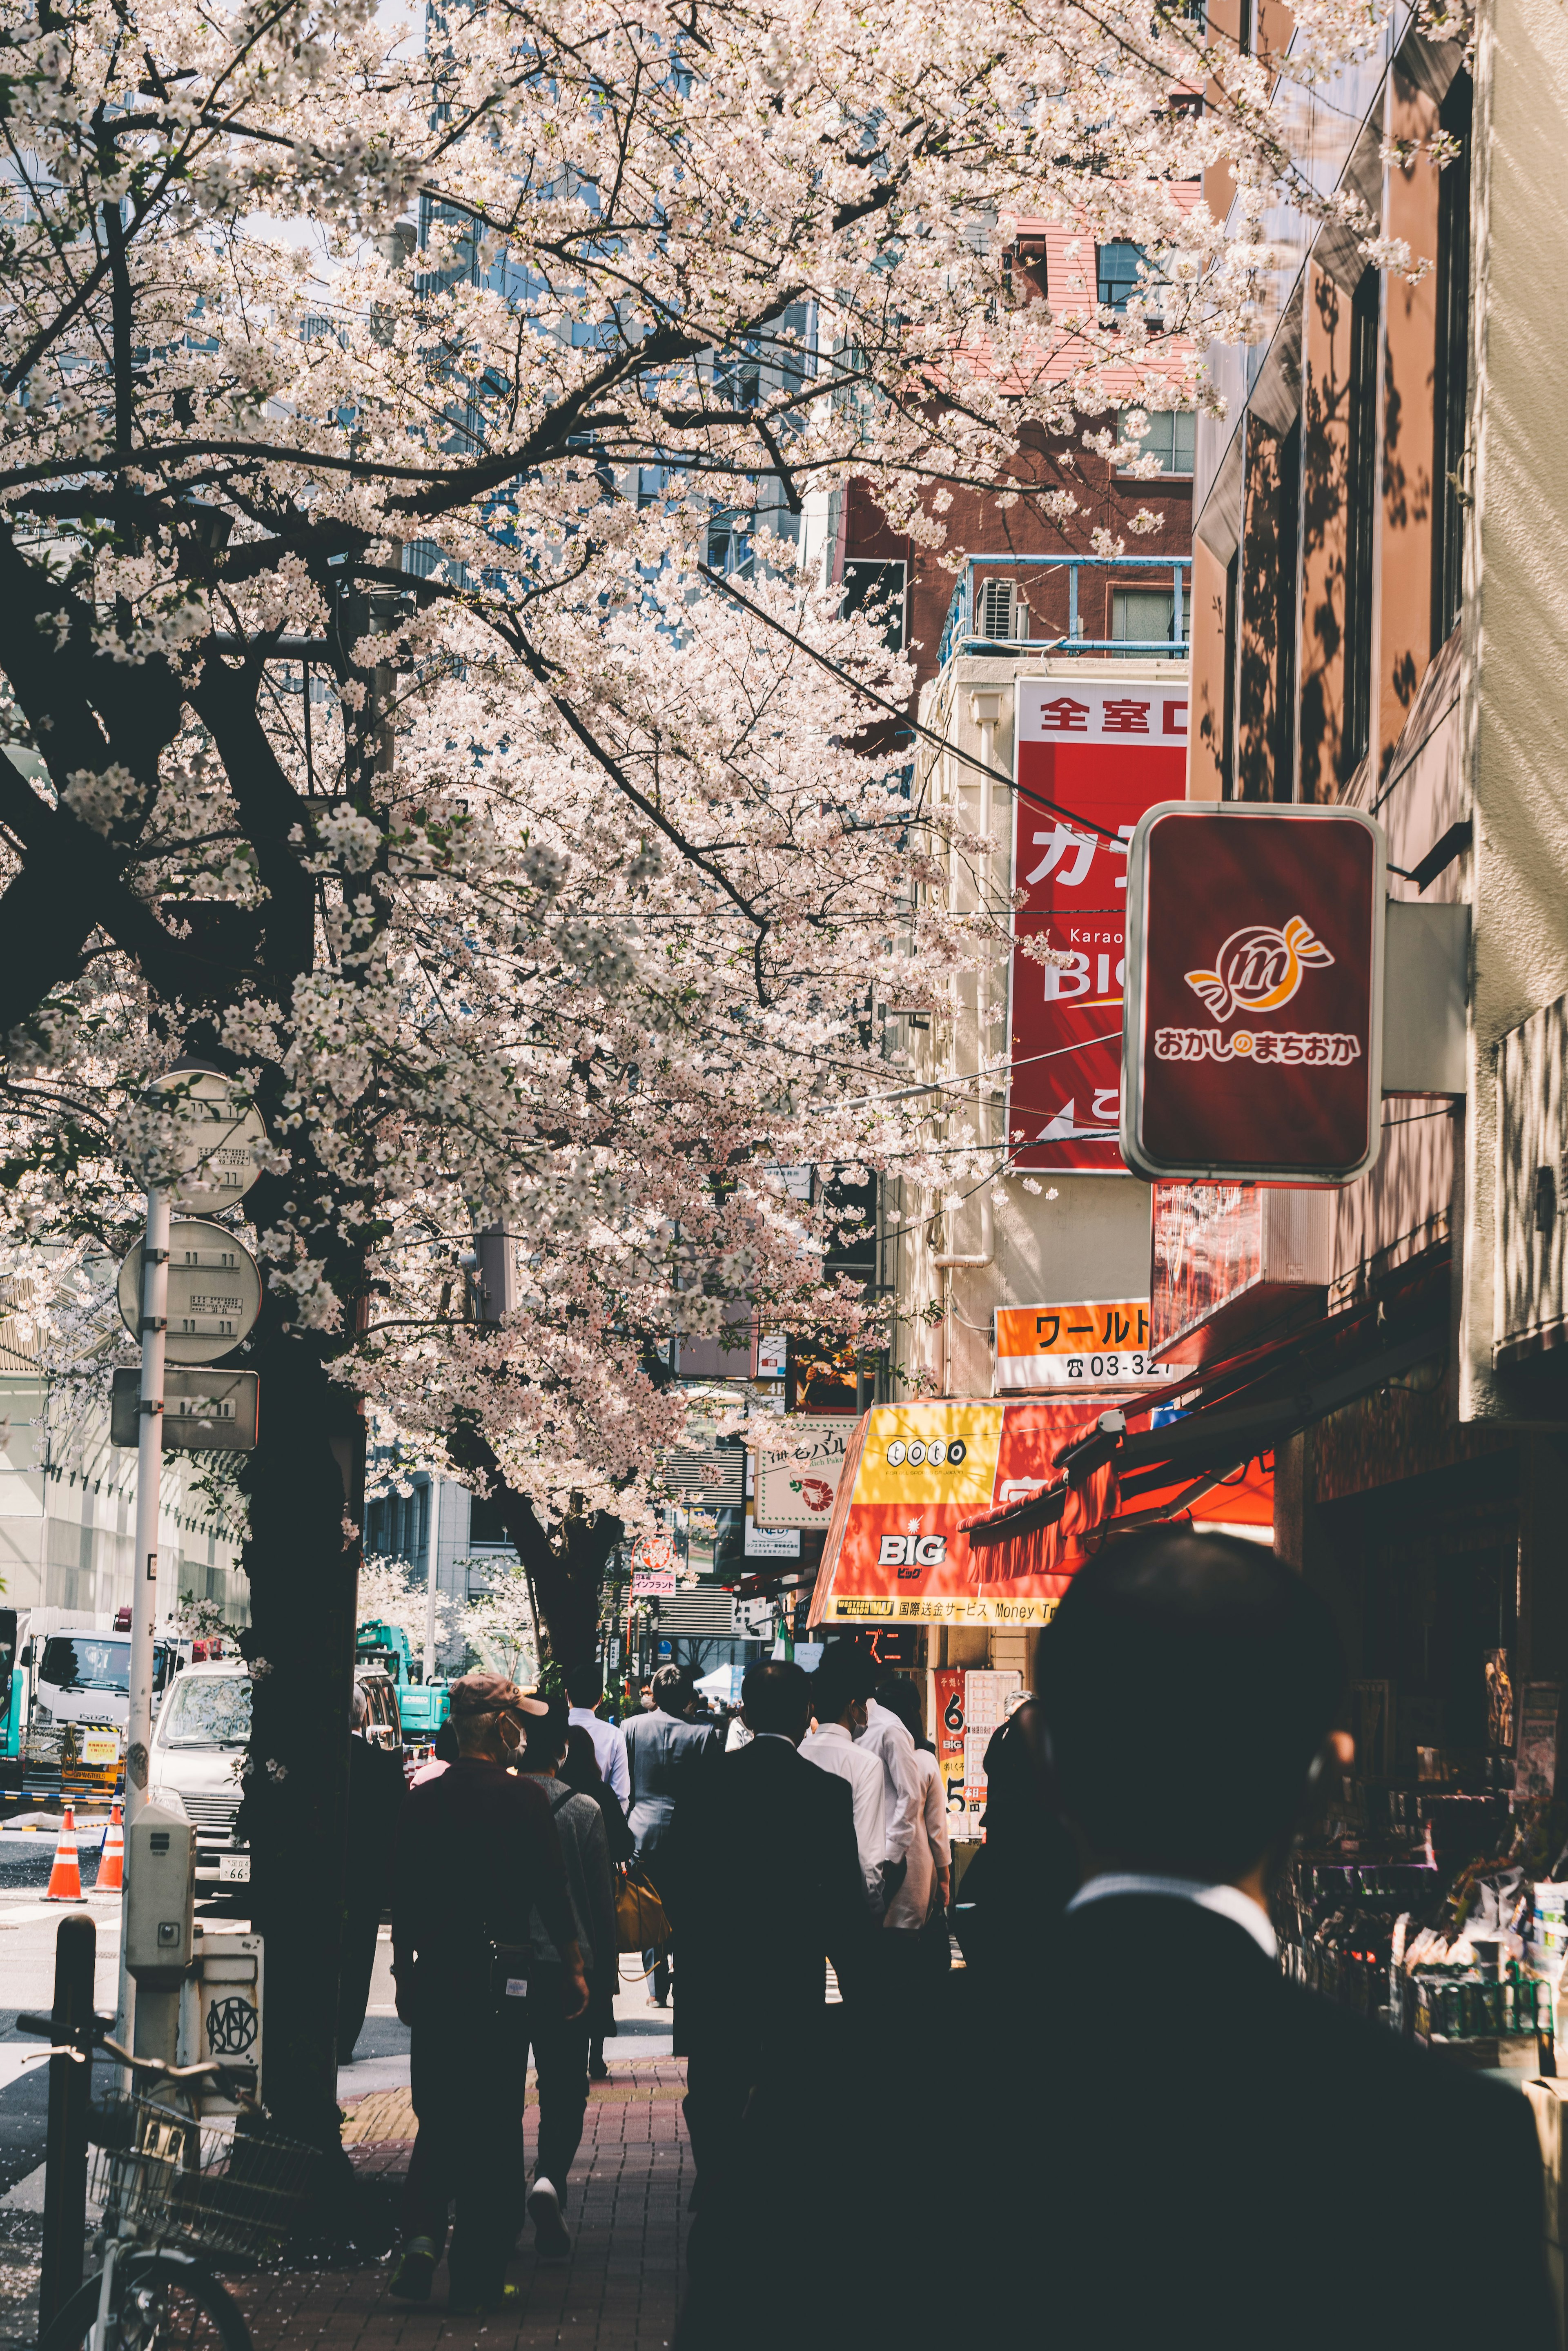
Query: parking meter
(159,1923)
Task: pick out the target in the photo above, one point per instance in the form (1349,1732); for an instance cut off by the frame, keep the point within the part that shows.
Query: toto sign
(1254,997)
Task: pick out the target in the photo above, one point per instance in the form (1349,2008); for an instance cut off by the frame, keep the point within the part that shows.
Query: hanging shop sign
(1082,1345)
(1101,755)
(896,1553)
(215,1292)
(798,1463)
(1253,1043)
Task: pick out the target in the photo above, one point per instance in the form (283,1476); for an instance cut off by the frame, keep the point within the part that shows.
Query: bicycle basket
(227,2187)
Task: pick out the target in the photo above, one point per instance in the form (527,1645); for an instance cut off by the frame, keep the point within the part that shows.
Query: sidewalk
(620,2291)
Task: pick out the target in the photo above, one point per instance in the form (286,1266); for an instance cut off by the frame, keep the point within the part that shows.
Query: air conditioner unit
(997,600)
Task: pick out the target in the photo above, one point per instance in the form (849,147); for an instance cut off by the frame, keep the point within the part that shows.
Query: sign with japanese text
(1254,1003)
(799,1459)
(916,1475)
(771,1543)
(1079,1346)
(653,1583)
(1101,755)
(947,1693)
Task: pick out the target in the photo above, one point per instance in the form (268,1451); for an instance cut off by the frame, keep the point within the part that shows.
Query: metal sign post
(217,1166)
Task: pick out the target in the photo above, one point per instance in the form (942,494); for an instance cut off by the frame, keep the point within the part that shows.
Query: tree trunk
(566,1569)
(305,1480)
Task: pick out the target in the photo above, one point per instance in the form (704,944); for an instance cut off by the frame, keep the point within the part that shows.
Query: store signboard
(1100,755)
(1082,1345)
(947,1691)
(771,1543)
(916,1473)
(1253,1044)
(799,1459)
(653,1583)
(771,1356)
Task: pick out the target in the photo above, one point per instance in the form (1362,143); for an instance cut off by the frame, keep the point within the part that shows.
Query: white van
(198,1745)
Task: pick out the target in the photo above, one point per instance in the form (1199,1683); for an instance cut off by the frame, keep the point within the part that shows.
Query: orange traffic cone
(65,1878)
(110,1878)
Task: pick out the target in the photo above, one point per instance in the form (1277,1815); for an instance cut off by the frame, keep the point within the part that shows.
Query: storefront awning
(1115,1477)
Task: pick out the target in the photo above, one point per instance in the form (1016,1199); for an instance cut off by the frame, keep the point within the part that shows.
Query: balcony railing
(961,634)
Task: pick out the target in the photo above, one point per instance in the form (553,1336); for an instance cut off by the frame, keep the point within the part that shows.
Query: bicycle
(179,2191)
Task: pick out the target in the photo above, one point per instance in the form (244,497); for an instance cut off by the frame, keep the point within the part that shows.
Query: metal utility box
(159,1897)
(220,2013)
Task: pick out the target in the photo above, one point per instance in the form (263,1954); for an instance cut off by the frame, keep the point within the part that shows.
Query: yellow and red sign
(916,1474)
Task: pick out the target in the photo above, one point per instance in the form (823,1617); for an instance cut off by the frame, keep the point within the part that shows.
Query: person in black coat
(765,1877)
(666,1755)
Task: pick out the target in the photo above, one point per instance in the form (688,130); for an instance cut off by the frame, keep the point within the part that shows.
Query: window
(878,585)
(1119,264)
(86,1661)
(1172,437)
(1450,374)
(484,1522)
(1141,614)
(207,1711)
(1361,505)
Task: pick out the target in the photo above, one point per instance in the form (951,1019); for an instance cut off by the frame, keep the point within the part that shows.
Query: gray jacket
(667,1758)
(585,1849)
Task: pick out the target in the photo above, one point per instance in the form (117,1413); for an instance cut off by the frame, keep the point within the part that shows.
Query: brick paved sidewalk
(626,2210)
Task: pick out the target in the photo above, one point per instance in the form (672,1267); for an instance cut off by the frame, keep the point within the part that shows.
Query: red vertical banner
(1100,755)
(948,1681)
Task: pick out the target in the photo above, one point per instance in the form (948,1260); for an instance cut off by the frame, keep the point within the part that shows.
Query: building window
(484,1529)
(1361,512)
(882,586)
(1451,369)
(1144,616)
(1119,264)
(1172,437)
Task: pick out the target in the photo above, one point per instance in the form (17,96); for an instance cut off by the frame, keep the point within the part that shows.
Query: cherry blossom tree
(379,735)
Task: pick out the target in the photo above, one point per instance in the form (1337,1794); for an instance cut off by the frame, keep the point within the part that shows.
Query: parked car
(198,1745)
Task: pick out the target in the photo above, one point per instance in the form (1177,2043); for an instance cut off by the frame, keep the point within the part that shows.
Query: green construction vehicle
(424,1706)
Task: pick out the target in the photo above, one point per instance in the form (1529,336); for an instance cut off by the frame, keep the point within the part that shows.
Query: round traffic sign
(215,1292)
(218,1132)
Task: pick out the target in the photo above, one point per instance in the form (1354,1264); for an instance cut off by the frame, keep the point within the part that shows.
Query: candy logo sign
(1246,1094)
(1260,969)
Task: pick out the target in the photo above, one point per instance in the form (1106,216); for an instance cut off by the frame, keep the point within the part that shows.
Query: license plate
(100,1747)
(234,1868)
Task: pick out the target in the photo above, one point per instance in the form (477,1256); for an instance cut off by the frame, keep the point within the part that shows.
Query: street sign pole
(144,1581)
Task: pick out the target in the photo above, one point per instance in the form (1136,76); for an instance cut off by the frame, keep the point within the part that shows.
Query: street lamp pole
(145,1578)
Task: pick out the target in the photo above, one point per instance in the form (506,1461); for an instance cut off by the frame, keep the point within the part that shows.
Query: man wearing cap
(478,1852)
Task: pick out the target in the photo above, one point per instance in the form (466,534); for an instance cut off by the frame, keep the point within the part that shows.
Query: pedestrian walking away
(906,1853)
(925,1912)
(666,1756)
(839,1688)
(376,1791)
(479,1858)
(580,1771)
(559,2039)
(585,1692)
(764,1877)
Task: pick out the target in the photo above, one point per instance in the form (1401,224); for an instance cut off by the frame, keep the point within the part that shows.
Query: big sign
(1254,996)
(1100,755)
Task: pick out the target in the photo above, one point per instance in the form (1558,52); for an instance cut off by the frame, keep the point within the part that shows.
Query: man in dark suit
(666,1754)
(764,1871)
(1215,2154)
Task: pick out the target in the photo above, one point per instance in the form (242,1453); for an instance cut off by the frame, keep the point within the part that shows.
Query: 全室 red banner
(1102,754)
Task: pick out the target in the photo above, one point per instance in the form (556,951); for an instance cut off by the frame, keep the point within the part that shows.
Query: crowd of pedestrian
(1162,2134)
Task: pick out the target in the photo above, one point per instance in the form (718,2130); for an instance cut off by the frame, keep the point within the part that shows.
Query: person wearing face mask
(839,1688)
(477,1853)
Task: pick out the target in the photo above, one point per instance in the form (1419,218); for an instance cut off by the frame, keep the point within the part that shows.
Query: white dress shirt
(608,1746)
(932,1849)
(1228,1901)
(885,1738)
(832,1750)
